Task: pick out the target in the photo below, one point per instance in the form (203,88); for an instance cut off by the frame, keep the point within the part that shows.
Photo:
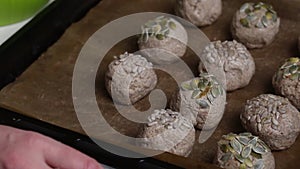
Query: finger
(61,156)
(33,164)
(41,166)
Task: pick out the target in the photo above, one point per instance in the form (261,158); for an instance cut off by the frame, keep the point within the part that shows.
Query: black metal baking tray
(17,53)
(23,48)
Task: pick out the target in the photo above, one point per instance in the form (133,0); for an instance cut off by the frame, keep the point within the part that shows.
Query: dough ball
(244,151)
(274,119)
(255,25)
(199,12)
(163,40)
(168,131)
(200,100)
(235,59)
(286,81)
(130,78)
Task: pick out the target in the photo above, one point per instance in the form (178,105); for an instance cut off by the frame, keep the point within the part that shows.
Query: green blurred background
(12,11)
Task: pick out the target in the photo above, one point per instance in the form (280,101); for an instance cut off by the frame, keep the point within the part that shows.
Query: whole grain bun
(287,79)
(243,151)
(163,40)
(234,58)
(130,78)
(200,100)
(199,12)
(255,25)
(168,131)
(274,119)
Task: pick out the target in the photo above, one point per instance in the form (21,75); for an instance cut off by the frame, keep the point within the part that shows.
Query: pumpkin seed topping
(261,15)
(245,148)
(290,69)
(205,89)
(159,28)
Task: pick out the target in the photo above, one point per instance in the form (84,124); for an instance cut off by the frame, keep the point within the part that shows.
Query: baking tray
(48,80)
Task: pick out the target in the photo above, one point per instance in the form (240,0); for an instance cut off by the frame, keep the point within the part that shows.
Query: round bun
(163,40)
(237,62)
(274,119)
(244,151)
(200,100)
(130,78)
(199,12)
(287,79)
(255,25)
(168,131)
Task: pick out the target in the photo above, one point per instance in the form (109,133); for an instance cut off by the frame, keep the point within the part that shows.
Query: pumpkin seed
(226,157)
(287,65)
(205,81)
(259,149)
(264,145)
(229,136)
(215,92)
(253,141)
(244,7)
(243,166)
(257,5)
(231,149)
(248,162)
(160,37)
(244,22)
(236,145)
(246,151)
(186,86)
(163,22)
(239,158)
(194,83)
(203,104)
(293,69)
(243,139)
(251,17)
(156,29)
(172,25)
(248,11)
(259,164)
(196,94)
(201,86)
(269,15)
(264,21)
(223,148)
(293,60)
(246,134)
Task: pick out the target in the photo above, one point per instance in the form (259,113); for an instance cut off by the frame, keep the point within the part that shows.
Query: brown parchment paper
(44,90)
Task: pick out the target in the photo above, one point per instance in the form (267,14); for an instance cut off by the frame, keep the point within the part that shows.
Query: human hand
(28,150)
